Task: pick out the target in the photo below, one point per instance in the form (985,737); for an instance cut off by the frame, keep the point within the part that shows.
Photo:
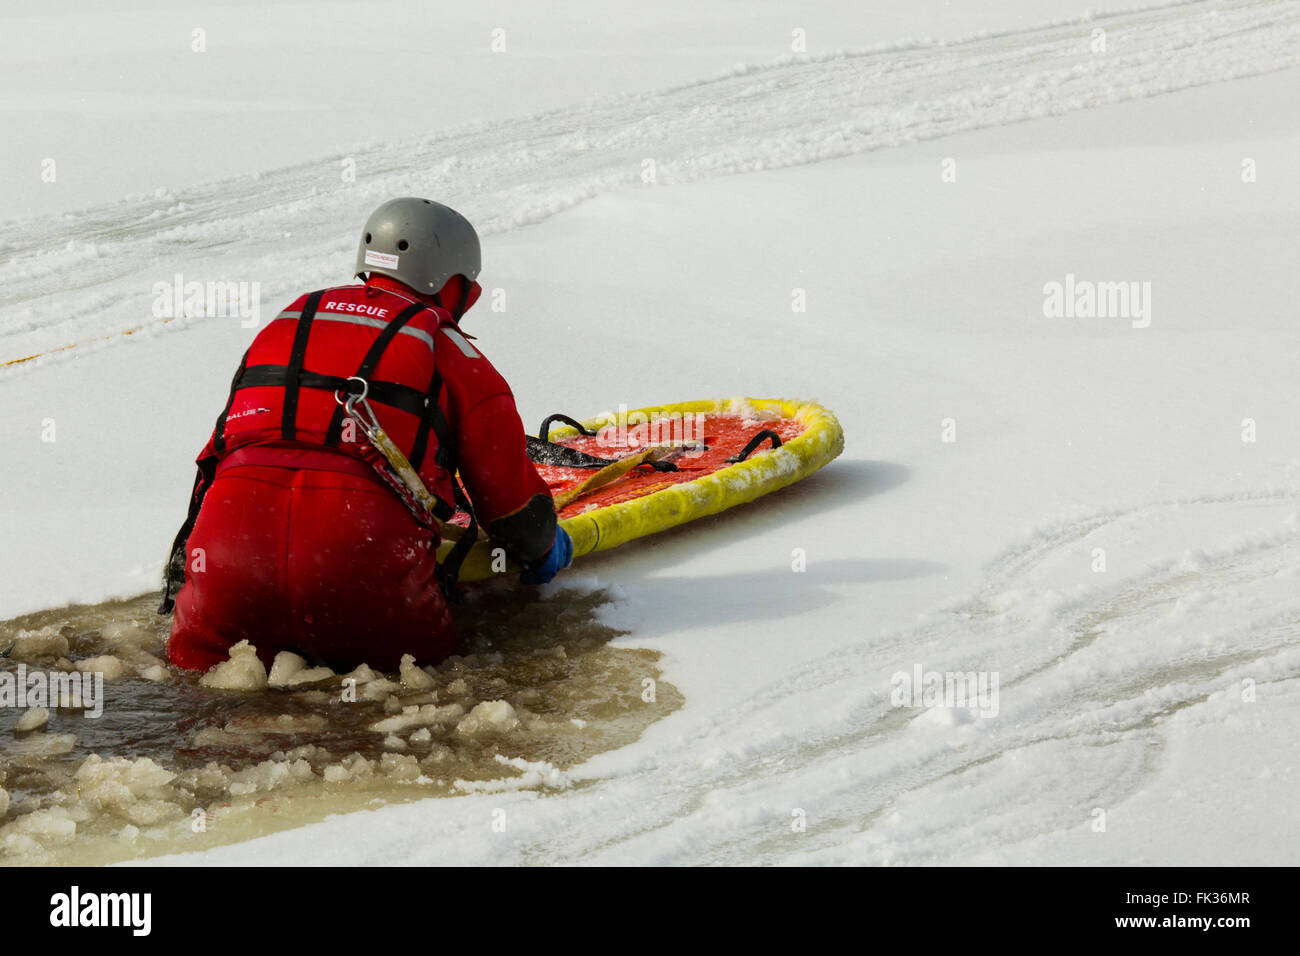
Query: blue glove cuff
(557,559)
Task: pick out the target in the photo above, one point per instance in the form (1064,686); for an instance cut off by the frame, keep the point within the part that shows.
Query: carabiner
(365,390)
(366,417)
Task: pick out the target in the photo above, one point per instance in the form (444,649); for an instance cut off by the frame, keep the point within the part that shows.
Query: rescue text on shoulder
(356,307)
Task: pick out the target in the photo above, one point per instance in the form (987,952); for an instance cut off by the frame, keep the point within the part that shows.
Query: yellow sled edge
(765,471)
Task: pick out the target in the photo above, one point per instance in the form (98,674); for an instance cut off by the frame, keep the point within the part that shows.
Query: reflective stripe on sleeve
(464,346)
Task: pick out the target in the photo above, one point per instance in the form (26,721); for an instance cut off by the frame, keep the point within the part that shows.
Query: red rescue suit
(294,541)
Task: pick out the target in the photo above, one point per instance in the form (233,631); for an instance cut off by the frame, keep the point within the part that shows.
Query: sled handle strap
(545,430)
(656,456)
(765,435)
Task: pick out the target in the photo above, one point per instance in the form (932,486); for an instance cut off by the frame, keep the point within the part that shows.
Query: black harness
(293,378)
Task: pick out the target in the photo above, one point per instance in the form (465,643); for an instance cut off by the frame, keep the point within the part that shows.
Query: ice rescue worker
(298,536)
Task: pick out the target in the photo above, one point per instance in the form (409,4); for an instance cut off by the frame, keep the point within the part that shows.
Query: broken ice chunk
(34,717)
(242,671)
(491,716)
(111,667)
(413,677)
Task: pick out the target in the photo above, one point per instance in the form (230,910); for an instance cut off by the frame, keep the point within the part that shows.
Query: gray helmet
(420,243)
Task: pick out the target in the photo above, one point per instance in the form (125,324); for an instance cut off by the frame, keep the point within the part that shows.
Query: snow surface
(1161,691)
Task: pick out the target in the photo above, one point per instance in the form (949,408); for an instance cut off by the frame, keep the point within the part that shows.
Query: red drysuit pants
(327,563)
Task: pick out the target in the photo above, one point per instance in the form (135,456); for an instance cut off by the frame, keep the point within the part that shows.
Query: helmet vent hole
(367,238)
(403,245)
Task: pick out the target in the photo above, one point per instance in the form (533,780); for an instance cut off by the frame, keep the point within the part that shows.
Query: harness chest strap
(289,416)
(370,362)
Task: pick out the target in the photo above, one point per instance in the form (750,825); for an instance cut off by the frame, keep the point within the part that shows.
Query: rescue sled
(626,475)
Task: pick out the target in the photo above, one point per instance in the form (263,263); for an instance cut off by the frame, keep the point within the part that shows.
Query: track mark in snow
(1088,681)
(76,278)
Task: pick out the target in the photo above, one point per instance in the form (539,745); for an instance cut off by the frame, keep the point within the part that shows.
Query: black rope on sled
(549,453)
(544,432)
(542,452)
(754,442)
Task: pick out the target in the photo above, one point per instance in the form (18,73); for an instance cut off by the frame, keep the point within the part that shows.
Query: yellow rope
(77,345)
